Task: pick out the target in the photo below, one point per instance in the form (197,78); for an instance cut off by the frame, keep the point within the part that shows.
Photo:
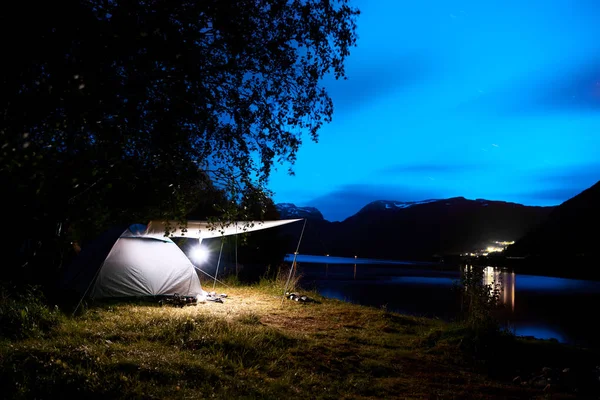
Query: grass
(251,346)
(24,313)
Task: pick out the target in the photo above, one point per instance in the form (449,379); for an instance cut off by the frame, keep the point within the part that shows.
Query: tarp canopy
(204,229)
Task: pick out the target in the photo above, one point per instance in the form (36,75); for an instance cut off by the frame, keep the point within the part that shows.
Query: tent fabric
(137,267)
(132,265)
(204,230)
(84,267)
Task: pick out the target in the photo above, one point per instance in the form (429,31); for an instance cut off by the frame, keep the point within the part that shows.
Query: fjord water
(538,306)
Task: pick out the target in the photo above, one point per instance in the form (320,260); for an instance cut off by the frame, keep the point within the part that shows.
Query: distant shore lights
(496,247)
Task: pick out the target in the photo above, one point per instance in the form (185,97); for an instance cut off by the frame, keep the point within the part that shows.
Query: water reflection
(497,279)
(540,332)
(504,281)
(425,280)
(548,307)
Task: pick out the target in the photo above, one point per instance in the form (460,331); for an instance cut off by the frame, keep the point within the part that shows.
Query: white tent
(140,265)
(129,263)
(140,261)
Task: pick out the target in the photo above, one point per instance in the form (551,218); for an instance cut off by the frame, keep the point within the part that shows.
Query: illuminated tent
(133,264)
(141,261)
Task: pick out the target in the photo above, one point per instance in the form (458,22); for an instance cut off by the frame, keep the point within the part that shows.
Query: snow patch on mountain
(289,210)
(394,205)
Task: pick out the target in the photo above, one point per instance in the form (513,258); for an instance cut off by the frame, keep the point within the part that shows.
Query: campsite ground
(253,346)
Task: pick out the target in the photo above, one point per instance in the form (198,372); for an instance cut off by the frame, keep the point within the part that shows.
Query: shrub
(24,313)
(481,332)
(480,301)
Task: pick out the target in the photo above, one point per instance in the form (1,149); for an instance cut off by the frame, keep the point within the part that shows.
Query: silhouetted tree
(118,110)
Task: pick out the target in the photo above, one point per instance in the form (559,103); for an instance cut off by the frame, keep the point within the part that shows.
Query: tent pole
(212,277)
(292,268)
(86,290)
(236,259)
(218,263)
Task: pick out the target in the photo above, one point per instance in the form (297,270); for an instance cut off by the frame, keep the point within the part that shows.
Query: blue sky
(482,99)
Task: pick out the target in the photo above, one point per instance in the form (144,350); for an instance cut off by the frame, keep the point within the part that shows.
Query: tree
(113,109)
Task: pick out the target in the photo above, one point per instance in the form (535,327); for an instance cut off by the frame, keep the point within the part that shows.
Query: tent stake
(292,268)
(218,263)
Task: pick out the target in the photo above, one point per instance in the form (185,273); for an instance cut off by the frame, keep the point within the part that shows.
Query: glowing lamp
(199,254)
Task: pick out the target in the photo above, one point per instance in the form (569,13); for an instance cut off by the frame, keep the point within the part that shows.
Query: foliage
(479,334)
(480,300)
(24,313)
(117,111)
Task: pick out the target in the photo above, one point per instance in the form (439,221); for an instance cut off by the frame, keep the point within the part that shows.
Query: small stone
(540,383)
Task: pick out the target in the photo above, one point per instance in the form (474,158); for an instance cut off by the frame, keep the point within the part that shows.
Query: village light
(199,254)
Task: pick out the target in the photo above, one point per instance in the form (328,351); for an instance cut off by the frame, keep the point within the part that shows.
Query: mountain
(571,230)
(290,211)
(419,230)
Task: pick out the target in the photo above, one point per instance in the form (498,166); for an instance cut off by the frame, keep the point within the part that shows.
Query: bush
(24,313)
(480,301)
(481,333)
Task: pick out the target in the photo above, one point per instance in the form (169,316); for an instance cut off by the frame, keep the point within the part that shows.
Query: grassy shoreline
(253,346)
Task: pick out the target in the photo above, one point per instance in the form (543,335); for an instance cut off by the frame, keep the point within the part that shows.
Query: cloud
(552,196)
(554,186)
(377,78)
(576,175)
(349,199)
(400,169)
(575,88)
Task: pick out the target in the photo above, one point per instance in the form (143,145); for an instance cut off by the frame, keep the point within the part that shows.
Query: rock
(539,383)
